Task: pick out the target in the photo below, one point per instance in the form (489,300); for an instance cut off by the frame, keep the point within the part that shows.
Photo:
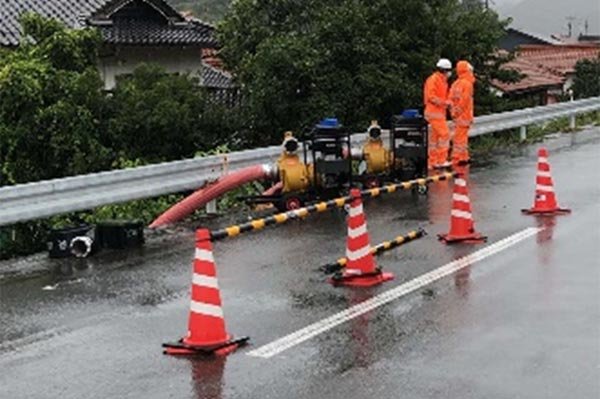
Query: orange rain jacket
(435,95)
(461,95)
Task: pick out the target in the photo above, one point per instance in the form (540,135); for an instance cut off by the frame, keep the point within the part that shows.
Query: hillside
(207,10)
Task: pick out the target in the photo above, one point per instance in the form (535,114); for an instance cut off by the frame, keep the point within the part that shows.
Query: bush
(52,103)
(158,116)
(587,81)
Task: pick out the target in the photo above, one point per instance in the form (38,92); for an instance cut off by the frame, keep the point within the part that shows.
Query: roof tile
(76,14)
(546,65)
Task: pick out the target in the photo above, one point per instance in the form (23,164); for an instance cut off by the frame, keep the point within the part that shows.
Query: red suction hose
(206,194)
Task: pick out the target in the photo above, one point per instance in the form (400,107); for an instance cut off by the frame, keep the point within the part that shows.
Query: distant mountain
(207,10)
(552,16)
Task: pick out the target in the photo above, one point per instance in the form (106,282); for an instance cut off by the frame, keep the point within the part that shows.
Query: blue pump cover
(329,123)
(410,113)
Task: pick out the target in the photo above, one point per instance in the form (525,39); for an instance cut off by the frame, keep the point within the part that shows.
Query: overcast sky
(504,4)
(551,16)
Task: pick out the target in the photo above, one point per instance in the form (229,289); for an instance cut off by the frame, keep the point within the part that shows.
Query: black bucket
(59,240)
(120,234)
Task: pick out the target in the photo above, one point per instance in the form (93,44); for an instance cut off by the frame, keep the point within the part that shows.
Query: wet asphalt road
(524,323)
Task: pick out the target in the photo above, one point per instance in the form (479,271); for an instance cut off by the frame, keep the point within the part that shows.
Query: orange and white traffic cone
(462,227)
(206,325)
(545,202)
(360,270)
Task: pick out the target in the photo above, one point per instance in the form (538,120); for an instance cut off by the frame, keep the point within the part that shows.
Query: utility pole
(570,19)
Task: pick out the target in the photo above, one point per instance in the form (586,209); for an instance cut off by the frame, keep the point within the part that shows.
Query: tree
(355,59)
(56,120)
(51,108)
(587,78)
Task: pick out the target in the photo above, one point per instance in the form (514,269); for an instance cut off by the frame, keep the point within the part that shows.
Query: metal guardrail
(47,198)
(529,116)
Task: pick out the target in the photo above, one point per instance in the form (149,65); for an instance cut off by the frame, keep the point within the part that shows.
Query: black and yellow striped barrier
(280,218)
(376,250)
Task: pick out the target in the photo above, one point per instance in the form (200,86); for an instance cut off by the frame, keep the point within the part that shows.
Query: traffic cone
(360,270)
(206,325)
(462,228)
(545,202)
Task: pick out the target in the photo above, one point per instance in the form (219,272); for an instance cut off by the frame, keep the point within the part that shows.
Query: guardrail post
(572,122)
(523,133)
(211,207)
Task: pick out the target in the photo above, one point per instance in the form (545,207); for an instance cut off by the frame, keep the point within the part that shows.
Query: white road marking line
(295,338)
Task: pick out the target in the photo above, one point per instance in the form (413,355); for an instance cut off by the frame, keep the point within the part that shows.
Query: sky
(551,16)
(503,5)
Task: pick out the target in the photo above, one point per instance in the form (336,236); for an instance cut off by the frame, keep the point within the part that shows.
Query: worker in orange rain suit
(435,96)
(461,110)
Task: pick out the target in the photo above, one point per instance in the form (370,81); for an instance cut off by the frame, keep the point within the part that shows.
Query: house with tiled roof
(548,70)
(133,32)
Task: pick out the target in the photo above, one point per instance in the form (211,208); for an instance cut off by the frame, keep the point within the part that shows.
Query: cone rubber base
(547,212)
(180,348)
(474,238)
(364,280)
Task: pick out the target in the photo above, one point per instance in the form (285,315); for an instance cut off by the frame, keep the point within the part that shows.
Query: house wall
(122,60)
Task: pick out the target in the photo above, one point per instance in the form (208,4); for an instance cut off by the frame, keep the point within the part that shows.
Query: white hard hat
(444,63)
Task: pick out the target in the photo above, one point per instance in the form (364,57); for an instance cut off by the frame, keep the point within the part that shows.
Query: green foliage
(231,200)
(591,118)
(356,59)
(157,116)
(55,119)
(145,210)
(587,78)
(221,149)
(22,238)
(51,104)
(64,49)
(487,102)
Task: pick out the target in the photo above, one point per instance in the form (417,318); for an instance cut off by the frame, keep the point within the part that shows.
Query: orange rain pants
(439,142)
(460,144)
